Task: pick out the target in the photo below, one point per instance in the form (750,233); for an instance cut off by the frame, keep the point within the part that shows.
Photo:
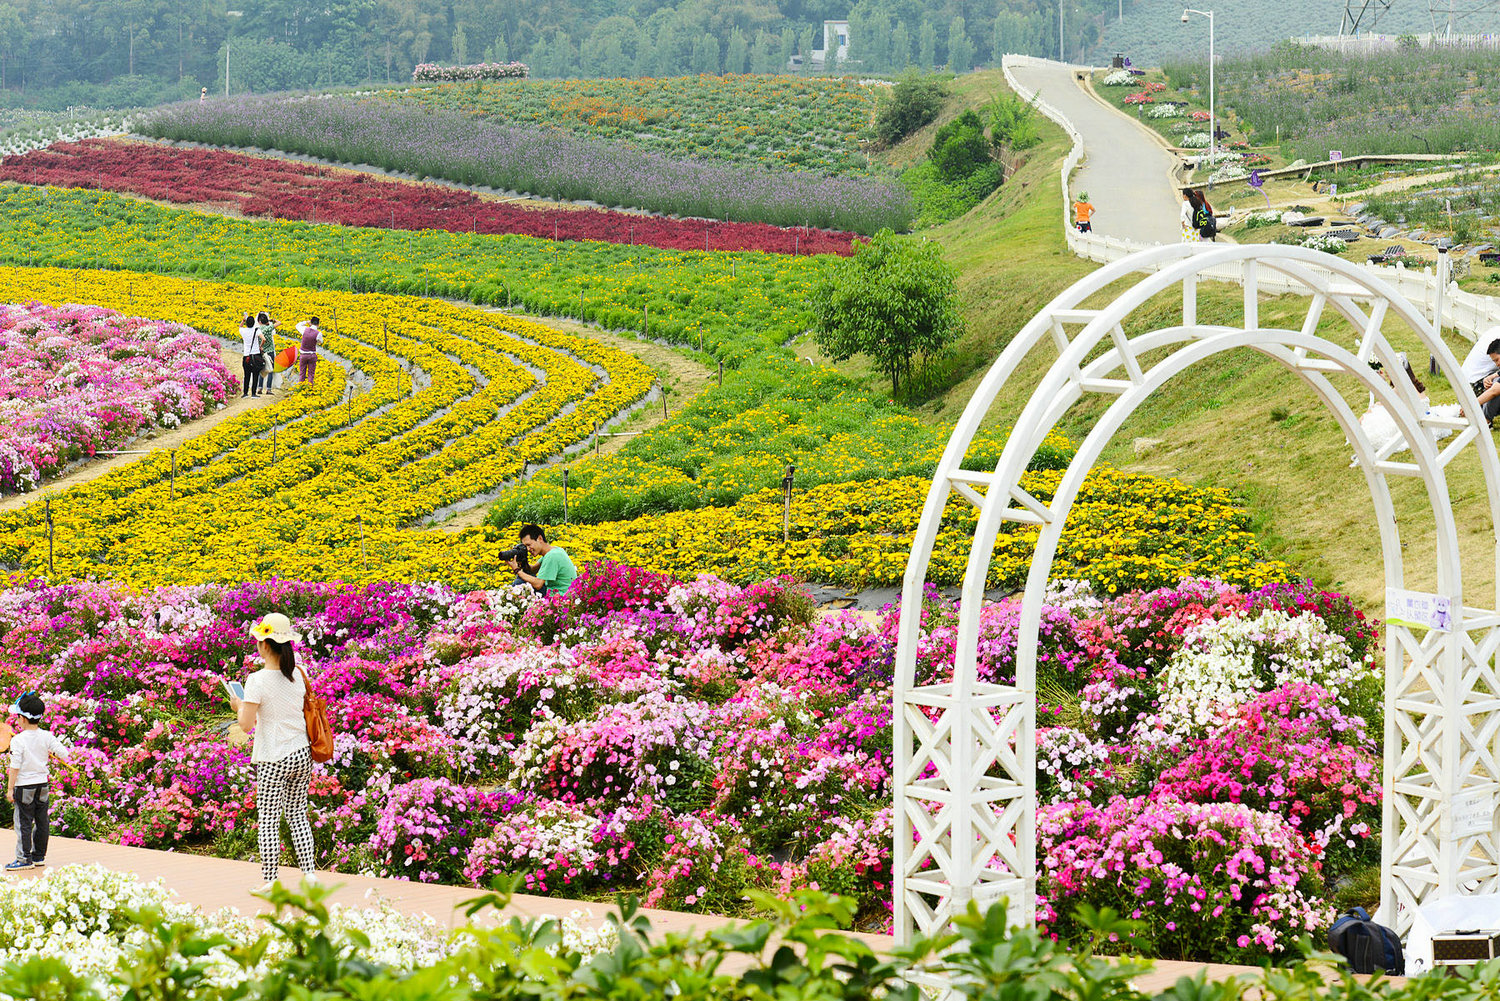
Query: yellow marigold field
(1125,531)
(354,477)
(350,478)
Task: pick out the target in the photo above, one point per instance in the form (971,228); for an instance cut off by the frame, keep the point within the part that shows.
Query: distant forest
(120,52)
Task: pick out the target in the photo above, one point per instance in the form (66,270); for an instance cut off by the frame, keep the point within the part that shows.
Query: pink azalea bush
(78,379)
(1199,877)
(691,741)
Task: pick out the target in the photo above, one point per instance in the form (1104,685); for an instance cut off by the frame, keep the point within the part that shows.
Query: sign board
(1335,155)
(1418,610)
(1333,191)
(1472,813)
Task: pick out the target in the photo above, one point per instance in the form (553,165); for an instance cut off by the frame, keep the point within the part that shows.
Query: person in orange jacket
(1083,210)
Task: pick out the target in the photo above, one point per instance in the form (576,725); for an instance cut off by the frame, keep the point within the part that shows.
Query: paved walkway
(214,883)
(1125,171)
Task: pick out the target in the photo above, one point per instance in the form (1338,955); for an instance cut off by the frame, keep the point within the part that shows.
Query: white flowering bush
(1224,662)
(1119,78)
(1325,242)
(79,914)
(1229,172)
(1164,111)
(1196,140)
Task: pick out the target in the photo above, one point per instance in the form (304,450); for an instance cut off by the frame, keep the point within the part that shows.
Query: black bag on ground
(1368,947)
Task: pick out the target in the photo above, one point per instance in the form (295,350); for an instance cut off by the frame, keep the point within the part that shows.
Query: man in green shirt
(554,571)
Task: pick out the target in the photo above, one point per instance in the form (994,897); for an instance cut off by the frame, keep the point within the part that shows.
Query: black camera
(518,552)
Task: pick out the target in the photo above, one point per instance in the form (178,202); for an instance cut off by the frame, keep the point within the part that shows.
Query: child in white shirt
(26,781)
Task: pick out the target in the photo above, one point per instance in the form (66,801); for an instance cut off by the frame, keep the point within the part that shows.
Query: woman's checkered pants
(281,787)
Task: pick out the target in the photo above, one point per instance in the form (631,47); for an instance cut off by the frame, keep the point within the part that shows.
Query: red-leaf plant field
(285,189)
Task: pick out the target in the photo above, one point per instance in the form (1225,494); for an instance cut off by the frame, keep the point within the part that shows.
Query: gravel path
(1125,170)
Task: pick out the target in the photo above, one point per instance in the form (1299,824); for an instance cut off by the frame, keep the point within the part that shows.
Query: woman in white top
(272,707)
(249,352)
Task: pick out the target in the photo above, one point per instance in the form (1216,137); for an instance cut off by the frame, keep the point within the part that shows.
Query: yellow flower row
(1125,531)
(351,474)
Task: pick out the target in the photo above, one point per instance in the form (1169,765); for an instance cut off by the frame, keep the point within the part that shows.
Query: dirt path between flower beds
(683,378)
(169,439)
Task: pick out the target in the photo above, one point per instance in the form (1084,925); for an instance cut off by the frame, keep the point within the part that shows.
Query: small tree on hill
(895,300)
(960,148)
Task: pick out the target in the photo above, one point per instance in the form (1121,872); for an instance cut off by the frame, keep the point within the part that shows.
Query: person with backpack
(266,328)
(250,357)
(1204,219)
(1190,204)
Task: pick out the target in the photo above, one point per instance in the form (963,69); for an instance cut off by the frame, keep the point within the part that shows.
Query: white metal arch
(965,780)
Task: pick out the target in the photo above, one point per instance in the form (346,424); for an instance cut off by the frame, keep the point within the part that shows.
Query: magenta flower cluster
(78,379)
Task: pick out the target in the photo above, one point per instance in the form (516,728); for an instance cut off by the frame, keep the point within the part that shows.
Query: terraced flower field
(732,305)
(777,121)
(285,189)
(333,493)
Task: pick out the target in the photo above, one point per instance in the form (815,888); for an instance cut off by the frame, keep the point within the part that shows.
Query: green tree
(927,47)
(460,46)
(787,50)
(499,52)
(737,54)
(895,301)
(706,54)
(915,101)
(804,46)
(960,49)
(763,54)
(900,48)
(960,148)
(12,37)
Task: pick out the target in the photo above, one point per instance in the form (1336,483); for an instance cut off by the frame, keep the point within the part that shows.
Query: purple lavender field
(539,161)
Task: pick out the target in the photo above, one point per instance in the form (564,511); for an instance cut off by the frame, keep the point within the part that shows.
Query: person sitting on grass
(26,781)
(1479,369)
(554,570)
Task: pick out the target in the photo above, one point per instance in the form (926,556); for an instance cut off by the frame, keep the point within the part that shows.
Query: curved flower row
(1126,532)
(78,379)
(350,472)
(287,189)
(737,306)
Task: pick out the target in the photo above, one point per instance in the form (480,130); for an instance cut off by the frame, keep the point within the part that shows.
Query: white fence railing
(1467,314)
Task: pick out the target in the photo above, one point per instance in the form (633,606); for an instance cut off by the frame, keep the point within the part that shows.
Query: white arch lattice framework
(965,779)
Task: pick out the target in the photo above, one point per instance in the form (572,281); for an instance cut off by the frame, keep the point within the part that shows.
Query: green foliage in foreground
(796,955)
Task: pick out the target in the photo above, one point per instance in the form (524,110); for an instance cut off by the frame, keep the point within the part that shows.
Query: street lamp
(1213,122)
(228,39)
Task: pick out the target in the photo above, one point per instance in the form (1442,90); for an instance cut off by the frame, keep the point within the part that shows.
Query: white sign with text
(1418,610)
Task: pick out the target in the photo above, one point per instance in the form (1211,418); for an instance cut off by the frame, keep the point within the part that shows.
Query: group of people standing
(258,353)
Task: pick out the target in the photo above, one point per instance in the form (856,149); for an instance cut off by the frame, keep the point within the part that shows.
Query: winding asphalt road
(1125,171)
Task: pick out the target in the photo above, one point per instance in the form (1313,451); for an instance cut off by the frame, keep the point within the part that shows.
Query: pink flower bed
(690,742)
(78,379)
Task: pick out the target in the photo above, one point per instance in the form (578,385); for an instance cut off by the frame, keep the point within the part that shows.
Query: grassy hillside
(1238,421)
(1152,31)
